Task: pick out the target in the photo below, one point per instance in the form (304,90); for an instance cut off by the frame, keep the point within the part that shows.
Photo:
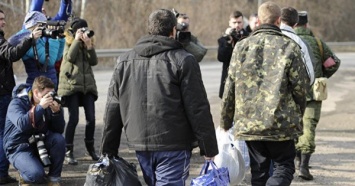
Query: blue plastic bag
(212,177)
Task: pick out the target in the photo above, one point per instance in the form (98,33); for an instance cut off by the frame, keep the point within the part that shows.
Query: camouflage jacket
(265,88)
(319,71)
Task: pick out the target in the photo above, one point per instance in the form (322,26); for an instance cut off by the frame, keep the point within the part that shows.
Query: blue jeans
(164,167)
(4,163)
(25,159)
(73,102)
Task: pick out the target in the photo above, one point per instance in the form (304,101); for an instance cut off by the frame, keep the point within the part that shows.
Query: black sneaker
(7,179)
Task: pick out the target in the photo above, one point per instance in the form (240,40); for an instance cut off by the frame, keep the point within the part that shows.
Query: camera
(57,98)
(236,35)
(58,31)
(88,32)
(182,35)
(42,151)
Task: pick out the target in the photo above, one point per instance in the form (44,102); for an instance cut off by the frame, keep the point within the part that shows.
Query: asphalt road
(332,164)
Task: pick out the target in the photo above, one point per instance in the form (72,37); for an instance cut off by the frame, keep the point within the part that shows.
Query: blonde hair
(269,12)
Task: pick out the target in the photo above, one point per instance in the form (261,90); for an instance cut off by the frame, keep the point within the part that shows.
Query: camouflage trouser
(306,142)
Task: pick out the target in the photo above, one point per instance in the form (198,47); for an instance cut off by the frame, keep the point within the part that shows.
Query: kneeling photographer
(189,41)
(33,132)
(78,86)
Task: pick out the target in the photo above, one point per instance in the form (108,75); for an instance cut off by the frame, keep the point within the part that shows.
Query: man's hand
(37,32)
(55,107)
(209,158)
(87,41)
(46,101)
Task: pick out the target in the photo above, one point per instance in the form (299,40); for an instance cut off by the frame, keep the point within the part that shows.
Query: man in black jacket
(234,33)
(8,54)
(157,95)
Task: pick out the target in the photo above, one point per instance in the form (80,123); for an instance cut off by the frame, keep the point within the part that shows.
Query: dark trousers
(164,167)
(25,159)
(4,163)
(73,103)
(282,153)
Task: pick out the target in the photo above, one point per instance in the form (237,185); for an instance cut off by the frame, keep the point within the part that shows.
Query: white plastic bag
(243,149)
(230,157)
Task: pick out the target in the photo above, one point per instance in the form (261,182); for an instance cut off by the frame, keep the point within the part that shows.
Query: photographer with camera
(33,133)
(41,57)
(78,86)
(192,44)
(234,33)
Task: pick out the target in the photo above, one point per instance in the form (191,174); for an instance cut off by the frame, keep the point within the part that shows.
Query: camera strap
(36,54)
(39,66)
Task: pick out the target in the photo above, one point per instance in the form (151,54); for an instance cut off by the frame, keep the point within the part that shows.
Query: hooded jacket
(76,74)
(19,125)
(157,95)
(265,93)
(9,54)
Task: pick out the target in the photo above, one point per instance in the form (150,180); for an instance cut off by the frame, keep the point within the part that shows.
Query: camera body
(42,151)
(88,32)
(236,35)
(58,30)
(57,98)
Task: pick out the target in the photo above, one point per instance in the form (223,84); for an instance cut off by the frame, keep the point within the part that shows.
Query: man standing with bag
(157,95)
(325,65)
(265,97)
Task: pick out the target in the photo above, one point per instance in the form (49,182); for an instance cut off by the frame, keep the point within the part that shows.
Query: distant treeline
(119,23)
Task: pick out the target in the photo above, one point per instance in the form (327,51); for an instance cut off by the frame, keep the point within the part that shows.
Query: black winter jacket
(9,54)
(157,95)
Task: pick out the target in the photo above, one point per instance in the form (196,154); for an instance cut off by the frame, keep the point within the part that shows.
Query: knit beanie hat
(32,19)
(302,17)
(78,23)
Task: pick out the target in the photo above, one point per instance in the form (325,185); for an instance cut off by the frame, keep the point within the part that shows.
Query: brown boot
(304,168)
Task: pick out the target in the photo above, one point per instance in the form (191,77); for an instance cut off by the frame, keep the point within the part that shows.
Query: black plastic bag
(125,173)
(112,172)
(100,173)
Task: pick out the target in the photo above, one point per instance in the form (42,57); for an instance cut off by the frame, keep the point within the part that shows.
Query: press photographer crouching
(33,133)
(184,36)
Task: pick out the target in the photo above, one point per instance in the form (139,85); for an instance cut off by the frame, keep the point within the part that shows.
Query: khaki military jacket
(266,86)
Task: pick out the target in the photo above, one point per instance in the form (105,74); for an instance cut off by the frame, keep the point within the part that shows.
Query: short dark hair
(161,22)
(236,14)
(289,16)
(42,82)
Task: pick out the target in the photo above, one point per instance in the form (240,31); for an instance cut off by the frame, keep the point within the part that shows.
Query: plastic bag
(100,174)
(242,147)
(112,172)
(213,177)
(230,157)
(125,173)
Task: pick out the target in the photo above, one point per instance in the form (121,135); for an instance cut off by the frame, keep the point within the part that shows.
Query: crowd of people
(157,98)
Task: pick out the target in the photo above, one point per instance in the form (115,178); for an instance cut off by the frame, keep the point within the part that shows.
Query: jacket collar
(267,28)
(286,28)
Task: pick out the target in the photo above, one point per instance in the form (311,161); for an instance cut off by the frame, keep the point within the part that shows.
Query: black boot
(304,169)
(298,160)
(91,149)
(69,155)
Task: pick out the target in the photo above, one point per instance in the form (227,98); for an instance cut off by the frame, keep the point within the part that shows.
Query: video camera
(57,98)
(42,151)
(182,35)
(56,31)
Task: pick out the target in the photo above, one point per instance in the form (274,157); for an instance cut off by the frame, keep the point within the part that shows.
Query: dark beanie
(302,18)
(78,23)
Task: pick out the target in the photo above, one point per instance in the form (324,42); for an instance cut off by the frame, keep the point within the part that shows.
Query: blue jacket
(56,47)
(18,125)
